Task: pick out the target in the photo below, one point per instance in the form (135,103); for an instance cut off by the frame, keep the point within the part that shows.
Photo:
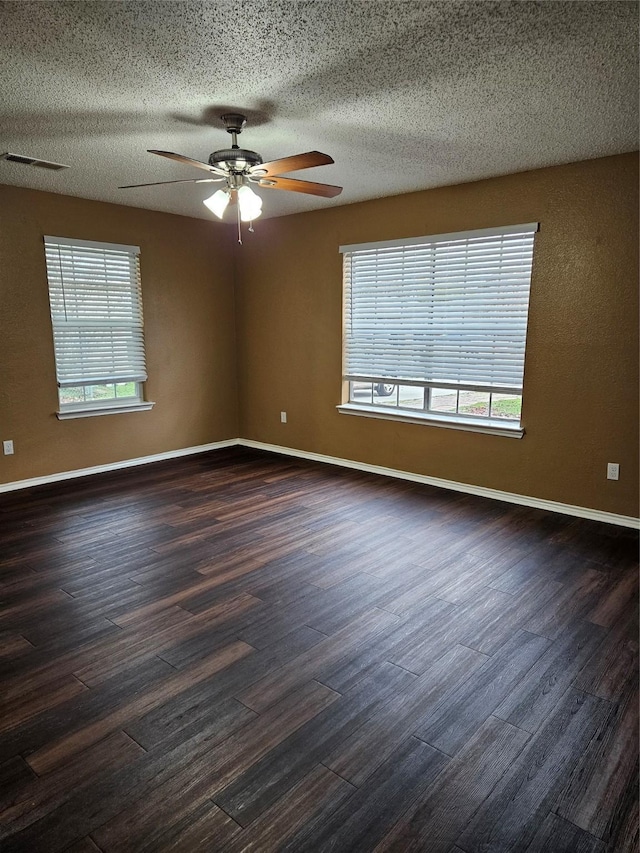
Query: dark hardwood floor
(240,652)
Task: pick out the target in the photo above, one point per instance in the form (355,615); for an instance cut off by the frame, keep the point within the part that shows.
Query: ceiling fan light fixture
(240,167)
(217,203)
(250,204)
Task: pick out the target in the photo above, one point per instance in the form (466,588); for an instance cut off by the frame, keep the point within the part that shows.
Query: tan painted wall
(581,382)
(580,405)
(187,288)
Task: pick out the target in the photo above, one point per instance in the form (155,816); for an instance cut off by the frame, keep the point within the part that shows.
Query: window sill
(509,430)
(94,411)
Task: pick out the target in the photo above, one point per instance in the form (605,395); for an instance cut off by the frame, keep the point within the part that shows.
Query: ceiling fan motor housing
(235,159)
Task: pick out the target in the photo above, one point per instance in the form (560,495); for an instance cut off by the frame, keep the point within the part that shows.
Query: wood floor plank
(512,814)
(563,837)
(159,604)
(437,575)
(308,804)
(531,702)
(216,618)
(14,714)
(368,814)
(46,759)
(598,793)
(607,672)
(470,573)
(427,635)
(146,794)
(14,773)
(569,604)
(448,728)
(331,570)
(283,645)
(183,792)
(389,644)
(495,616)
(69,630)
(47,793)
(223,687)
(205,825)
(458,792)
(548,560)
(373,742)
(60,720)
(206,828)
(193,654)
(326,653)
(188,711)
(13,644)
(85,845)
(278,617)
(332,609)
(620,599)
(31,609)
(269,779)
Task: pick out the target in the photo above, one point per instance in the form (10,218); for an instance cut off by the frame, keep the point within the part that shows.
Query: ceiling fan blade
(188,161)
(294,163)
(296,186)
(187,181)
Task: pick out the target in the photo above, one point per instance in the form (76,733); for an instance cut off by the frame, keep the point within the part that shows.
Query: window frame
(490,424)
(116,308)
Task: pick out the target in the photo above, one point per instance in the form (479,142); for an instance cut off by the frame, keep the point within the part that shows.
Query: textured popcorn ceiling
(403,95)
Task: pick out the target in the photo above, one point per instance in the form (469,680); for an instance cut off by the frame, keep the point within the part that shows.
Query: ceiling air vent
(32,161)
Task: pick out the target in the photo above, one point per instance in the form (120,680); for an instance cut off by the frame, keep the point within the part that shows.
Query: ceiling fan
(238,168)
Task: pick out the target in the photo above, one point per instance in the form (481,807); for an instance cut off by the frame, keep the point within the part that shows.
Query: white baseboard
(115,466)
(481,491)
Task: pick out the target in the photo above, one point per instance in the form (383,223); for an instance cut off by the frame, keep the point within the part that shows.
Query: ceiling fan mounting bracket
(234,122)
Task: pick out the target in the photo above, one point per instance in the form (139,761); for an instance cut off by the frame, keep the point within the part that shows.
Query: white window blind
(437,310)
(96,312)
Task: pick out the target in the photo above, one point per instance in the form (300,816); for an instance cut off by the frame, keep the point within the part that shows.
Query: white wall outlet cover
(283,417)
(7,447)
(613,471)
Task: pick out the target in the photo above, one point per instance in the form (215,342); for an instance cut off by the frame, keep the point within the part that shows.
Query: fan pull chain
(239,228)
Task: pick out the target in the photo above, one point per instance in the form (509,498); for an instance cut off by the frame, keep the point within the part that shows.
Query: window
(435,328)
(96,313)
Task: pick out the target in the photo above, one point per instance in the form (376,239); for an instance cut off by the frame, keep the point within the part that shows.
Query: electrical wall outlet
(283,417)
(7,448)
(613,471)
